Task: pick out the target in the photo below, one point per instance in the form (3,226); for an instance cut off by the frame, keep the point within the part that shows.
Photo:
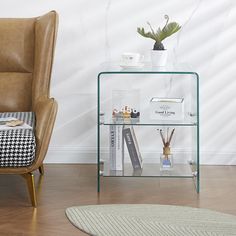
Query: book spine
(119,148)
(136,146)
(112,145)
(131,148)
(116,148)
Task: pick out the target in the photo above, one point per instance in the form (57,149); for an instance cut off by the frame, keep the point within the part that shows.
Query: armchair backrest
(26,56)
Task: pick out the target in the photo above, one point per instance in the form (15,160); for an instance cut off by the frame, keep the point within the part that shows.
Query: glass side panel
(195,157)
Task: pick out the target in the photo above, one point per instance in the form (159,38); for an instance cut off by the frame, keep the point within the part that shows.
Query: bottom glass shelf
(149,170)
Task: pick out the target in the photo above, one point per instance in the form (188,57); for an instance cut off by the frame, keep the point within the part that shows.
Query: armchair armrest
(45,112)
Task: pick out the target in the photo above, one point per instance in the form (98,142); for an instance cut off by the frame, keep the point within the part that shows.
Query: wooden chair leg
(29,177)
(41,169)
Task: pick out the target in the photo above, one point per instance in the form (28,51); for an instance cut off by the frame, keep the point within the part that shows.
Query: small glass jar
(166,162)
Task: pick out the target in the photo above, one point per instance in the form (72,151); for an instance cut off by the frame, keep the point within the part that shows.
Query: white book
(116,148)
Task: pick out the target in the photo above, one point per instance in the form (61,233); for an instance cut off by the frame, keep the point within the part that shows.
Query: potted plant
(159,53)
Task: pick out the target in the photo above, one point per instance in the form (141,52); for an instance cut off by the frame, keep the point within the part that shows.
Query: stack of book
(118,135)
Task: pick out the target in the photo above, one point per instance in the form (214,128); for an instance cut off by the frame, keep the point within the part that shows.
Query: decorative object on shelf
(166,158)
(130,60)
(125,113)
(159,53)
(135,113)
(167,108)
(125,104)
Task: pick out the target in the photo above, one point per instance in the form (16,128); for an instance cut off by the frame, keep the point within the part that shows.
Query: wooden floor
(63,186)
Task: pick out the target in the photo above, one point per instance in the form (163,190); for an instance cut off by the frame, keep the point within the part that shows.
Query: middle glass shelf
(148,122)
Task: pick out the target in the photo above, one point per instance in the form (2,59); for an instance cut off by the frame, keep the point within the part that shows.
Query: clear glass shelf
(150,170)
(149,122)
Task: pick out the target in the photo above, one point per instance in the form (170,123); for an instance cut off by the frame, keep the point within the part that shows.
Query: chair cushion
(17,145)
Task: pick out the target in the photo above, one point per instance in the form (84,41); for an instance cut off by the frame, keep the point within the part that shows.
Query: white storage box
(167,108)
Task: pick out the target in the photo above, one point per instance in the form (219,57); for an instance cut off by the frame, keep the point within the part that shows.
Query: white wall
(91,32)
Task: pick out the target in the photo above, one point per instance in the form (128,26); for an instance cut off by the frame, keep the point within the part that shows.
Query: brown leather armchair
(26,57)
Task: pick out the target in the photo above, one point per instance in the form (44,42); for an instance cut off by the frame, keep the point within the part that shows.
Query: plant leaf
(169,29)
(148,34)
(160,34)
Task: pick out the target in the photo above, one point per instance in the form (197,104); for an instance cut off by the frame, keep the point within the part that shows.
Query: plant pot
(159,57)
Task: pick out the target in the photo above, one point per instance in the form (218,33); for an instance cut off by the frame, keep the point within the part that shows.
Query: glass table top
(146,67)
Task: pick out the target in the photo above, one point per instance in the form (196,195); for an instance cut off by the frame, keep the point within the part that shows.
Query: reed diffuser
(166,158)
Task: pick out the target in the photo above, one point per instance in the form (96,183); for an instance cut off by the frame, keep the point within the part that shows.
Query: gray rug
(150,220)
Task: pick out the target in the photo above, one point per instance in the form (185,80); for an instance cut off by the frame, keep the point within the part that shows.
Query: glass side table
(121,95)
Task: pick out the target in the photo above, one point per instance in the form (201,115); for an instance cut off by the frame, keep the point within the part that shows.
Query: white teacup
(131,59)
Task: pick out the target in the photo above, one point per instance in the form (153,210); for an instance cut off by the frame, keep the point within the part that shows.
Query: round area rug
(150,220)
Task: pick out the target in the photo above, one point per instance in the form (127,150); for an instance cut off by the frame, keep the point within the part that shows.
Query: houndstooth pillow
(17,146)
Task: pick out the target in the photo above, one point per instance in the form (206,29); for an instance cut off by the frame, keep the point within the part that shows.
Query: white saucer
(132,66)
